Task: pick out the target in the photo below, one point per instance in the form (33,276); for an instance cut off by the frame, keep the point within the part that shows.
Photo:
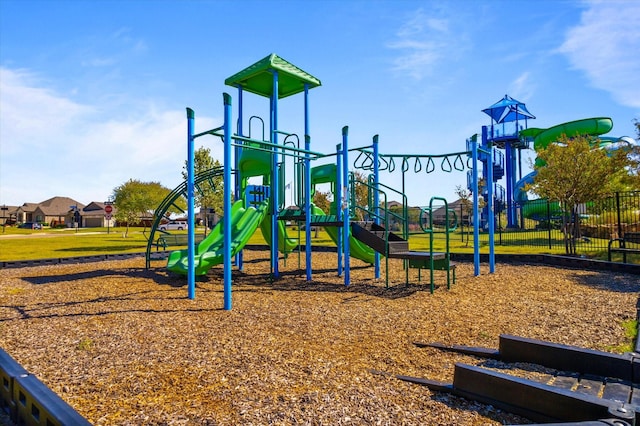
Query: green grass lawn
(27,244)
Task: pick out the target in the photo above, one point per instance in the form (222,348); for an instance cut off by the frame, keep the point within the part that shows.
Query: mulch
(124,345)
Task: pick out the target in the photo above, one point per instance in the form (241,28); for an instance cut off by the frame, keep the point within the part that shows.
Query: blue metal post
(476,215)
(226,202)
(275,202)
(487,163)
(191,268)
(376,198)
(338,201)
(509,172)
(346,224)
(307,183)
(491,211)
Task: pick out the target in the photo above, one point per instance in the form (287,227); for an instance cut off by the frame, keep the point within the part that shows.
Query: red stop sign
(108,209)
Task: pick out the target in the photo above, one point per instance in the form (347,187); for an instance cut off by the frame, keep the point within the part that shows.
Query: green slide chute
(357,249)
(588,126)
(285,244)
(541,139)
(210,252)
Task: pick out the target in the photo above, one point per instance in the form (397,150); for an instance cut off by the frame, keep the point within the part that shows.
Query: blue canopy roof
(508,109)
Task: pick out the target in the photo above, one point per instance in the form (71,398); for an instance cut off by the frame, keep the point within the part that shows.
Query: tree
(210,193)
(361,190)
(634,160)
(572,173)
(322,200)
(466,200)
(135,199)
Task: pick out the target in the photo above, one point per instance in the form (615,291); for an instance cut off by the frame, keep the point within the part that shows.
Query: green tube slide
(588,126)
(541,139)
(210,251)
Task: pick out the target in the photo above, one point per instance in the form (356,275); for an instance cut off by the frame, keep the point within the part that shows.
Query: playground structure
(246,156)
(507,116)
(509,131)
(541,138)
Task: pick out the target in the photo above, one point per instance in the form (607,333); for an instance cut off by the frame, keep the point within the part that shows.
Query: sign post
(108,209)
(4,208)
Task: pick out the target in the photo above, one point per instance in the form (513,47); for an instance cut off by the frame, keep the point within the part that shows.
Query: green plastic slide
(357,249)
(285,244)
(541,139)
(210,251)
(587,126)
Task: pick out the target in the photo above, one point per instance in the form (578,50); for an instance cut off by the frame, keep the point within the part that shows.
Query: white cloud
(29,112)
(605,47)
(112,50)
(52,145)
(423,41)
(522,87)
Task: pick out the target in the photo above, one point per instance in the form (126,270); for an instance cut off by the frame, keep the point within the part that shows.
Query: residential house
(57,211)
(24,213)
(8,215)
(459,213)
(94,216)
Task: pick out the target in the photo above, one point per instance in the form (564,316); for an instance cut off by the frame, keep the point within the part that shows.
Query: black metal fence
(540,223)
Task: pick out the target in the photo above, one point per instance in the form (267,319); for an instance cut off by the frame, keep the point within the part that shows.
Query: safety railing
(28,401)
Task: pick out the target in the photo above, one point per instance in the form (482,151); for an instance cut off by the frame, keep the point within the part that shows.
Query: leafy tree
(135,199)
(322,200)
(361,194)
(395,217)
(209,194)
(634,160)
(413,214)
(466,200)
(573,173)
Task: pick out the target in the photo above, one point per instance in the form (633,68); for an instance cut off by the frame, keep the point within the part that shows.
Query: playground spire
(508,109)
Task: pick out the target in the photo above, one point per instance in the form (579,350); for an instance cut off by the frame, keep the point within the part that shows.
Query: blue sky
(93,93)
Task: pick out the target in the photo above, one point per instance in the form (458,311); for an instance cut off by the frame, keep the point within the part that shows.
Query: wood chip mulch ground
(125,346)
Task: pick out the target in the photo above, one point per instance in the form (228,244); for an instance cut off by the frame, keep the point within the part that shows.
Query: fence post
(618,214)
(461,223)
(549,222)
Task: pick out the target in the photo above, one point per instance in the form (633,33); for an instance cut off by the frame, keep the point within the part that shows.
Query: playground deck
(124,345)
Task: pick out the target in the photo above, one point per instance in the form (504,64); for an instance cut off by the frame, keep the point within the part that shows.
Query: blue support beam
(226,228)
(275,202)
(191,269)
(476,207)
(346,224)
(376,198)
(338,201)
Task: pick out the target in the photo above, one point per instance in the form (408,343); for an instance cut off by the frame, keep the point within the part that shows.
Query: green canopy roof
(258,78)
